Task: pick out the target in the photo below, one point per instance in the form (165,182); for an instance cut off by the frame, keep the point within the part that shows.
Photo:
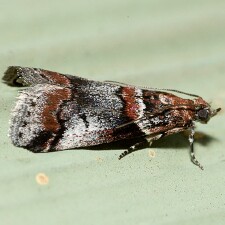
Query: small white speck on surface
(151,153)
(42,179)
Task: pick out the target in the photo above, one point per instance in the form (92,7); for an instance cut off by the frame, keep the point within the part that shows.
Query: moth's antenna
(181,92)
(149,88)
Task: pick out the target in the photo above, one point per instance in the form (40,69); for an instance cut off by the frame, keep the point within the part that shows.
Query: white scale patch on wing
(77,134)
(26,123)
(99,117)
(140,102)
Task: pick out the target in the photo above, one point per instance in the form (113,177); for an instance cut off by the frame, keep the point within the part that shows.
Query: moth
(60,111)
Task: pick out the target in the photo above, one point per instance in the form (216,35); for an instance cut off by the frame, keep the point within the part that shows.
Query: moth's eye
(203,114)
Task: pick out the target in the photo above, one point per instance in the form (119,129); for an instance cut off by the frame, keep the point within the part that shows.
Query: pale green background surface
(171,44)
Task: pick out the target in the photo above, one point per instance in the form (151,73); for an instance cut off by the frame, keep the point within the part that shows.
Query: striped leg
(192,154)
(147,141)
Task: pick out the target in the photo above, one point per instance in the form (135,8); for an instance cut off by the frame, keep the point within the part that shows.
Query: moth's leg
(192,154)
(191,141)
(146,142)
(134,148)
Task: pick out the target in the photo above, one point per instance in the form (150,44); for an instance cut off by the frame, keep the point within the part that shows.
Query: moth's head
(204,111)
